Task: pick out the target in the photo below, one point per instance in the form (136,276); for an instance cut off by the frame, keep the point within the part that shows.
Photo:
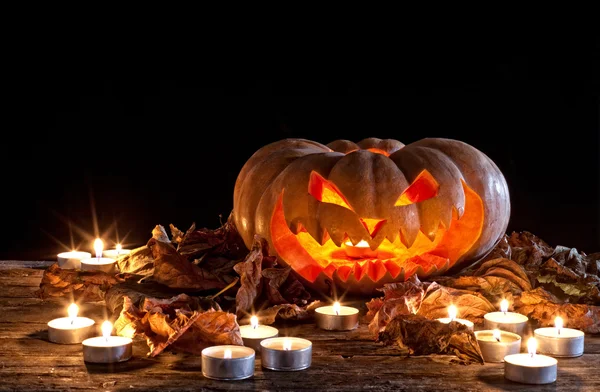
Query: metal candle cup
(568,343)
(528,369)
(67,330)
(494,350)
(336,318)
(254,333)
(107,349)
(71,260)
(506,321)
(115,253)
(286,354)
(228,362)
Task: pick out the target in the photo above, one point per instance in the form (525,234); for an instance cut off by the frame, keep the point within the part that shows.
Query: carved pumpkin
(359,215)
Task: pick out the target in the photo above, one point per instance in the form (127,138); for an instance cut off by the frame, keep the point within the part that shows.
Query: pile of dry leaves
(192,289)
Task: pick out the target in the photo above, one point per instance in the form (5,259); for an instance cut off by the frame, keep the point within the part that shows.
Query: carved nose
(373,225)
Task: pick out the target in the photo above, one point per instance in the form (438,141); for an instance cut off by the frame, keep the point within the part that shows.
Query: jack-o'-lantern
(358,215)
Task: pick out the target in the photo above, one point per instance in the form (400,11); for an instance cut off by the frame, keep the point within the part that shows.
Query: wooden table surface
(342,361)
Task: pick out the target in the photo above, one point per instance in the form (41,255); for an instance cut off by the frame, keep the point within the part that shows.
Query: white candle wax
(254,333)
(228,362)
(560,342)
(528,369)
(107,348)
(496,344)
(286,353)
(115,253)
(72,259)
(506,321)
(70,330)
(447,320)
(336,317)
(103,264)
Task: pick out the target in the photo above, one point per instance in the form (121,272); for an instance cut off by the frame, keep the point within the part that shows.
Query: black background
(164,145)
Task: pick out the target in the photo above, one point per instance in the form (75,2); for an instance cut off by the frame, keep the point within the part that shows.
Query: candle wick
(559,331)
(72,320)
(254,326)
(497,339)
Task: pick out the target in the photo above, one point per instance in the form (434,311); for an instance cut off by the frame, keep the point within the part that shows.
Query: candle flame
(504,306)
(558,323)
(361,244)
(106,328)
(72,310)
(336,308)
(287,344)
(98,246)
(531,346)
(119,247)
(497,334)
(452,311)
(254,322)
(227,353)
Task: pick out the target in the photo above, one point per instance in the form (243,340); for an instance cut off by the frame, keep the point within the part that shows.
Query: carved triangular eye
(325,191)
(423,187)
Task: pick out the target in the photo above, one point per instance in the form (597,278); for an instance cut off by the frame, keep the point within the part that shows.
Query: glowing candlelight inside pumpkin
(360,250)
(254,333)
(71,329)
(560,341)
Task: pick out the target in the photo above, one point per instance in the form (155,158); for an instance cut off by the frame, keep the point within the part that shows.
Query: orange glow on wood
(423,187)
(325,191)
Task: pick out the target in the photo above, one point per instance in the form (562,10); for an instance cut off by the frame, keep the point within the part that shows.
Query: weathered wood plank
(342,361)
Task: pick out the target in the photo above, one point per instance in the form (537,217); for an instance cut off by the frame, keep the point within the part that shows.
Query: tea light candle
(360,250)
(99,263)
(72,259)
(496,344)
(228,362)
(336,317)
(107,348)
(253,334)
(72,329)
(559,341)
(452,312)
(505,320)
(286,353)
(530,367)
(116,253)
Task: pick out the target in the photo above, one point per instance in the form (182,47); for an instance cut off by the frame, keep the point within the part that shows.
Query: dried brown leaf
(505,268)
(287,312)
(543,307)
(471,305)
(493,288)
(84,286)
(175,271)
(283,287)
(249,271)
(422,336)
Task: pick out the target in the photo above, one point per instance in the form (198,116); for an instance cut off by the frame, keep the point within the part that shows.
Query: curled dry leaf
(175,271)
(505,268)
(543,307)
(568,285)
(250,276)
(283,287)
(493,288)
(85,286)
(179,323)
(528,249)
(422,336)
(139,261)
(287,312)
(398,298)
(471,305)
(502,250)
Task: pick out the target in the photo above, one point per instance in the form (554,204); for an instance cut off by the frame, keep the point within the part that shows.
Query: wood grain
(342,361)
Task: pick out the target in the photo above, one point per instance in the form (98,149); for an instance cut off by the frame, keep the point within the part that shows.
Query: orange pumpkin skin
(355,216)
